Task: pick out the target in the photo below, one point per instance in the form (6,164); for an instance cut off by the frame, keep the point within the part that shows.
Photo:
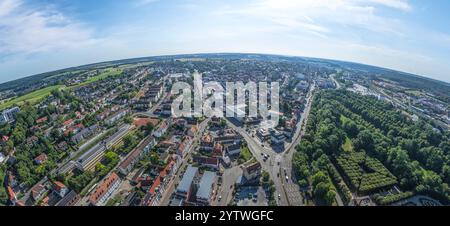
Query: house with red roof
(104,190)
(184,147)
(153,197)
(41,159)
(68,123)
(60,189)
(42,120)
(218,150)
(210,162)
(12,196)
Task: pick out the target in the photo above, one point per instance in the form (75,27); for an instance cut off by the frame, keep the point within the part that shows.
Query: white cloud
(320,16)
(145,2)
(28,30)
(396,4)
(6,6)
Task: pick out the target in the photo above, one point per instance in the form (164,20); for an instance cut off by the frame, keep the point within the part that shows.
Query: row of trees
(415,152)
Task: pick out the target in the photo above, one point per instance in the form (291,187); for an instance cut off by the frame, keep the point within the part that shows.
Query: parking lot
(251,196)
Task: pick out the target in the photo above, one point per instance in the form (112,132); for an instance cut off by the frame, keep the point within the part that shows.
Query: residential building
(210,162)
(143,148)
(251,170)
(70,199)
(277,138)
(2,158)
(186,184)
(60,189)
(85,133)
(104,191)
(207,143)
(162,129)
(184,147)
(90,158)
(116,116)
(9,115)
(40,159)
(263,134)
(158,187)
(233,150)
(206,188)
(217,150)
(38,191)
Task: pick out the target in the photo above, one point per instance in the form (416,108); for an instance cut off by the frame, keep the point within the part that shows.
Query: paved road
(277,162)
(291,187)
(269,165)
(333,77)
(165,200)
(229,178)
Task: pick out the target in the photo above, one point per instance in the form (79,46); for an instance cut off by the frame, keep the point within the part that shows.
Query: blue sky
(407,35)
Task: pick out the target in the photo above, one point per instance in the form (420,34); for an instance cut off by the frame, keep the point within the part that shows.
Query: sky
(44,35)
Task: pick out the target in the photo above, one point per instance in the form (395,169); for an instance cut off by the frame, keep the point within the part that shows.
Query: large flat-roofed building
(9,115)
(127,165)
(277,138)
(263,134)
(90,158)
(116,116)
(105,190)
(185,187)
(205,189)
(70,199)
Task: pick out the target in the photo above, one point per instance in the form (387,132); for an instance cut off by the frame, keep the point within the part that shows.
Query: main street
(165,200)
(276,163)
(291,186)
(269,165)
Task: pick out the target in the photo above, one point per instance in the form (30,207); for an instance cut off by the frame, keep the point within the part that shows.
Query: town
(107,136)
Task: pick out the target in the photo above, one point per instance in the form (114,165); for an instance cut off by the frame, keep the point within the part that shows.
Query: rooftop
(204,190)
(188,177)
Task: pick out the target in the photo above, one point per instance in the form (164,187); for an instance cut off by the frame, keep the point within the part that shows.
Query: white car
(287,178)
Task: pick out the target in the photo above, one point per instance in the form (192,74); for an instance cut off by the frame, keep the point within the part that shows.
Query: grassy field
(106,74)
(33,97)
(245,155)
(347,146)
(36,96)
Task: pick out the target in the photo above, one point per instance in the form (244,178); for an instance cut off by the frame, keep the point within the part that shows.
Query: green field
(245,155)
(106,74)
(36,96)
(347,146)
(33,97)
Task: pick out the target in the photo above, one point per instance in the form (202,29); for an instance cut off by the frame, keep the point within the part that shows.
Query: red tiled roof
(207,139)
(58,185)
(41,120)
(42,158)
(11,193)
(68,122)
(103,187)
(161,176)
(194,129)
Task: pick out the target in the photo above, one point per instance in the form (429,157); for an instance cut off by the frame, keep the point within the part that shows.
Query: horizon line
(218,53)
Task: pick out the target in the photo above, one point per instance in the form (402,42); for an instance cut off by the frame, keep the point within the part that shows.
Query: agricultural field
(107,73)
(33,97)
